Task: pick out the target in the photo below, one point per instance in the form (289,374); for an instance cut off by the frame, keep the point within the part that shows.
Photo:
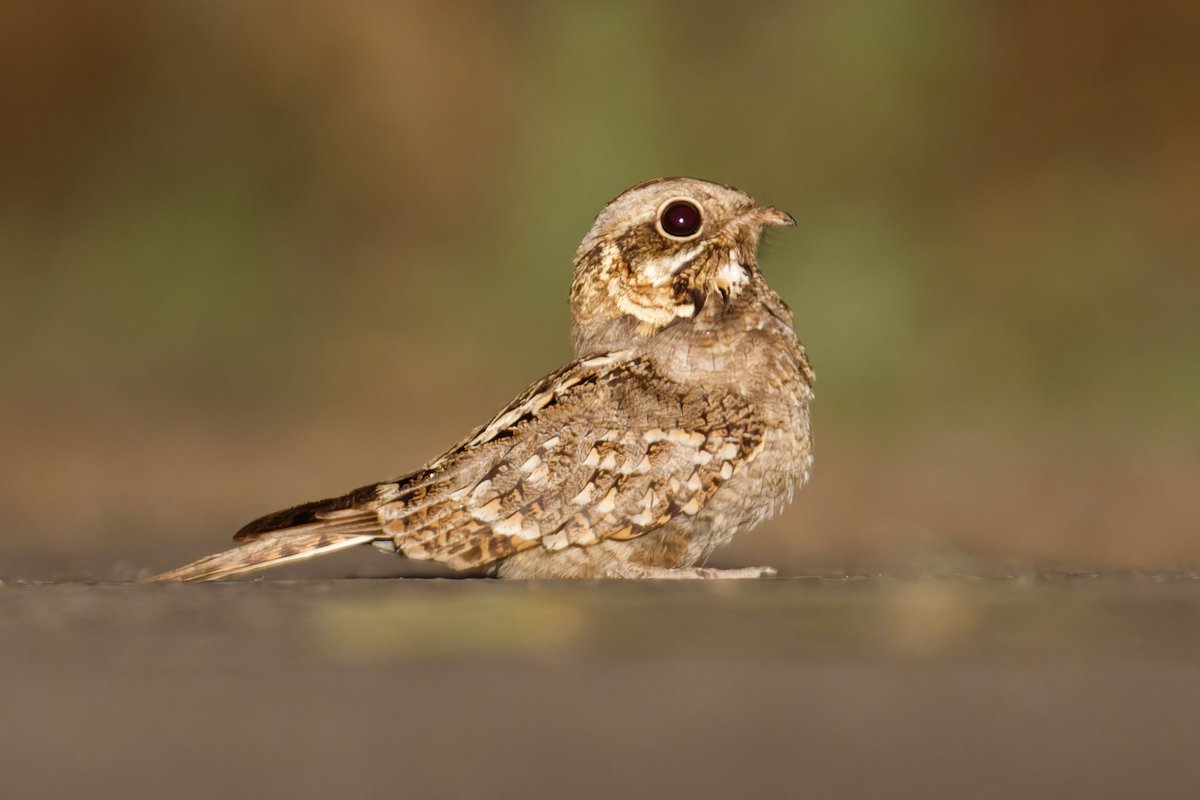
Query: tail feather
(263,552)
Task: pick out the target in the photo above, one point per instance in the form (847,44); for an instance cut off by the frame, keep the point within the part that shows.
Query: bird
(682,420)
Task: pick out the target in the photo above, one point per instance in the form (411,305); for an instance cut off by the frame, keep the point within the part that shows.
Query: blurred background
(257,253)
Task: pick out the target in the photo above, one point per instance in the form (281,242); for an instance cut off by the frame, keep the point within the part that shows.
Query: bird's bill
(769,215)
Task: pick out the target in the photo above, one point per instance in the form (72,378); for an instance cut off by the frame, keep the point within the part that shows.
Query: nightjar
(682,421)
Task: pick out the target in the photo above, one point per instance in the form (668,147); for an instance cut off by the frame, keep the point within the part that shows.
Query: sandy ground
(1040,686)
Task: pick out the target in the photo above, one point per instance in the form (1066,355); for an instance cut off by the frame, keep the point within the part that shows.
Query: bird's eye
(680,219)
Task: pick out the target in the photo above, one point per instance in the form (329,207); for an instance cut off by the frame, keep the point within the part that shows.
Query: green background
(252,254)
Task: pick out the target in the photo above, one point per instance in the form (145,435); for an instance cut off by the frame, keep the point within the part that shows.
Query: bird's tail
(263,552)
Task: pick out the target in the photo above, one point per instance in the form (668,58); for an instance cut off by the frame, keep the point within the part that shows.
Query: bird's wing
(605,448)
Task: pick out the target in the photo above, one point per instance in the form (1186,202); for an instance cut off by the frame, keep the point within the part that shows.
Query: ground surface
(1041,686)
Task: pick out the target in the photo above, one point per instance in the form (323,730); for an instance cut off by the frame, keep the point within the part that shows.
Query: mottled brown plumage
(683,420)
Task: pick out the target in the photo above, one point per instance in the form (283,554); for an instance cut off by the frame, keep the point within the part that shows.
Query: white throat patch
(731,275)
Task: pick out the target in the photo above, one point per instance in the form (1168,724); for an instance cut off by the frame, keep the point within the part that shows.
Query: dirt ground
(1054,686)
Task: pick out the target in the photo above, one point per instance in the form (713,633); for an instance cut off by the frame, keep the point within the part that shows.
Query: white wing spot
(518,527)
(685,437)
(727,452)
(555,541)
(585,495)
(539,476)
(608,503)
(480,491)
(489,512)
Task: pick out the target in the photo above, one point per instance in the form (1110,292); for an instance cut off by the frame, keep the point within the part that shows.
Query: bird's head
(666,252)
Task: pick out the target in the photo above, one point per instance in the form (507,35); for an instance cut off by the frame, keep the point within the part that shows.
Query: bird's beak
(769,215)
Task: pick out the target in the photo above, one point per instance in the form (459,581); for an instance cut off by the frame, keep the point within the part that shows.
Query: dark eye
(680,219)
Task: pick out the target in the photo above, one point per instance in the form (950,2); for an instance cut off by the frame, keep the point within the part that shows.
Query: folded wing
(603,449)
